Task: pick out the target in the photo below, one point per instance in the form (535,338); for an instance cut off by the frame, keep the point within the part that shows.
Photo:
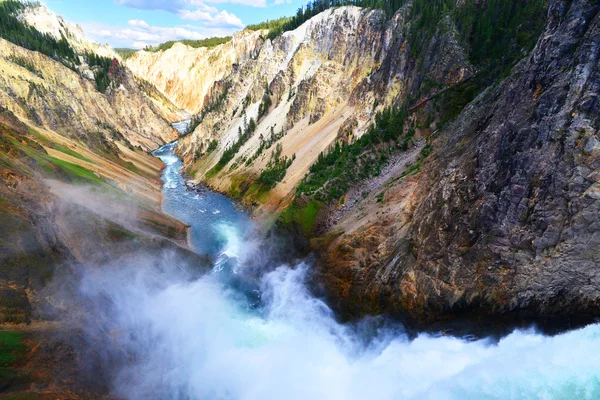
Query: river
(202,339)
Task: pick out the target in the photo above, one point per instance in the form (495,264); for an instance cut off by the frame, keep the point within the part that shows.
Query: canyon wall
(185,74)
(487,210)
(304,90)
(503,217)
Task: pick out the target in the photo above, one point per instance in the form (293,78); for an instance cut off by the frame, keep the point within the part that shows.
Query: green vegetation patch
(271,25)
(24,396)
(118,234)
(303,216)
(11,347)
(347,163)
(75,173)
(125,53)
(12,350)
(44,141)
(276,169)
(60,169)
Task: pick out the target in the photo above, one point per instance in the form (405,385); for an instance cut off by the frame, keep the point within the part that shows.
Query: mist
(188,338)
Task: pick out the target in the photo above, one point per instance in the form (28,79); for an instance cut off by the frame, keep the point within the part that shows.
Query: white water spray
(198,340)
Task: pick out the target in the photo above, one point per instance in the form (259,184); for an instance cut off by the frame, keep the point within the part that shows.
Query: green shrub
(232,151)
(276,169)
(264,106)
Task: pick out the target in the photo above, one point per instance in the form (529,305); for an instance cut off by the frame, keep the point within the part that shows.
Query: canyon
(487,212)
(345,185)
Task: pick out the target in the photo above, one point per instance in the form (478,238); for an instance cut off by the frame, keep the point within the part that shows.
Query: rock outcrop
(504,217)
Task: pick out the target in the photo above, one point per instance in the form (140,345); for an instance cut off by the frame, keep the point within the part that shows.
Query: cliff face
(504,216)
(48,94)
(185,74)
(304,90)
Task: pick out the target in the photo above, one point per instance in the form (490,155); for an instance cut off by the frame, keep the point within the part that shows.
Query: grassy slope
(12,352)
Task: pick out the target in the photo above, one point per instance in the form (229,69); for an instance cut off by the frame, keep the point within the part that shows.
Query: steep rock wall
(185,74)
(44,91)
(504,217)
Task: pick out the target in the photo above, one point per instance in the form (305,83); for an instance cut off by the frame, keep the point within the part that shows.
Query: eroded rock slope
(505,215)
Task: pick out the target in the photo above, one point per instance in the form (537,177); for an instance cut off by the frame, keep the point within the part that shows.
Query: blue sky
(137,23)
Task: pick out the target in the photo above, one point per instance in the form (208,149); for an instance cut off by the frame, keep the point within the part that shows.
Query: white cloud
(199,11)
(138,23)
(221,19)
(167,5)
(140,35)
(253,3)
(176,6)
(208,21)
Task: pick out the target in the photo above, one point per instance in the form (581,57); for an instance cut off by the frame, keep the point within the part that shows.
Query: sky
(138,23)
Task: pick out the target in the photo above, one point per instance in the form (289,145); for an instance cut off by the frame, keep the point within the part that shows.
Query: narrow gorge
(389,201)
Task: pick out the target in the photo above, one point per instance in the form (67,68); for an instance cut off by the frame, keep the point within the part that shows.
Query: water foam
(200,340)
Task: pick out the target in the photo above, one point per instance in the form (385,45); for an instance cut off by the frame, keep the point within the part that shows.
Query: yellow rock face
(185,74)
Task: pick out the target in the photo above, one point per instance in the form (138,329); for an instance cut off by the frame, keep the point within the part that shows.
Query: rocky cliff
(185,74)
(504,217)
